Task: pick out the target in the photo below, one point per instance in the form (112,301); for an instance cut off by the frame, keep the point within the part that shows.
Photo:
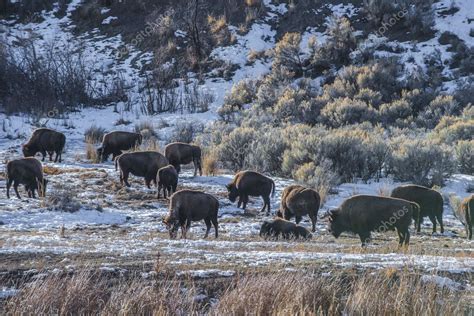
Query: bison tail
(416,208)
(116,161)
(273,189)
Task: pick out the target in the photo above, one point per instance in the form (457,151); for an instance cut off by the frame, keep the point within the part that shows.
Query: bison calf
(167,179)
(299,201)
(181,154)
(45,140)
(429,200)
(141,164)
(280,227)
(362,214)
(26,171)
(250,183)
(188,206)
(115,142)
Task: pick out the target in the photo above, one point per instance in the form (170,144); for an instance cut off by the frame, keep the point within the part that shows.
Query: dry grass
(384,190)
(91,151)
(210,165)
(385,292)
(253,3)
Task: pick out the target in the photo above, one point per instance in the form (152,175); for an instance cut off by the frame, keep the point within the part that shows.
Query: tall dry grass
(350,292)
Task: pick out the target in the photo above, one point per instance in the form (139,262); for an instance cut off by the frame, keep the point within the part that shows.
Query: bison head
(172,224)
(335,227)
(28,151)
(233,192)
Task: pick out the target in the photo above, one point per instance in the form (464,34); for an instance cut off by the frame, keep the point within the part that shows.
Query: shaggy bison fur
(141,164)
(250,183)
(429,200)
(167,179)
(45,140)
(467,213)
(115,142)
(286,229)
(26,171)
(188,206)
(181,154)
(362,214)
(299,201)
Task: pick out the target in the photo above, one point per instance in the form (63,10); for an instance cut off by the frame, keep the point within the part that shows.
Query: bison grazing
(280,227)
(45,140)
(181,154)
(250,183)
(429,200)
(188,206)
(141,164)
(114,142)
(26,171)
(362,214)
(467,213)
(167,178)
(298,201)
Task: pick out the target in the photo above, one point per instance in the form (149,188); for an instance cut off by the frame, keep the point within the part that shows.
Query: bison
(114,142)
(141,164)
(250,183)
(280,227)
(181,154)
(467,214)
(429,200)
(45,140)
(188,206)
(298,201)
(167,179)
(362,214)
(26,171)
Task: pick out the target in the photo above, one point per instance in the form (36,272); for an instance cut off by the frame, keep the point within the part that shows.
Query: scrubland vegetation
(346,291)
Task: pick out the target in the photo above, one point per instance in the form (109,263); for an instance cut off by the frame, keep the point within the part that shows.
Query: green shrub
(235,147)
(421,161)
(465,156)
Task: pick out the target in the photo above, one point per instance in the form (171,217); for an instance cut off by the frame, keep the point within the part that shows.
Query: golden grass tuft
(210,164)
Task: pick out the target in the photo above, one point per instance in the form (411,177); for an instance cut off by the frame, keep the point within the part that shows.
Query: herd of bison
(359,214)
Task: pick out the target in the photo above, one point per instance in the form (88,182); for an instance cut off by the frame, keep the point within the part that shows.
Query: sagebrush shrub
(235,147)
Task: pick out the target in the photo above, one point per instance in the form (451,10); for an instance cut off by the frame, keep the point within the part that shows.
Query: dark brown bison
(114,142)
(26,171)
(467,214)
(188,206)
(362,214)
(280,227)
(181,154)
(45,140)
(299,201)
(167,179)
(429,200)
(250,183)
(141,164)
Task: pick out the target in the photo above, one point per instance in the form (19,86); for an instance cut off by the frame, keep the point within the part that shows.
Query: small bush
(319,177)
(465,156)
(421,161)
(439,107)
(63,199)
(345,111)
(146,129)
(235,148)
(186,132)
(210,165)
(94,134)
(287,57)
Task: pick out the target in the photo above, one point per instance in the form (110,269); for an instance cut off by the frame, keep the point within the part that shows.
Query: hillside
(345,97)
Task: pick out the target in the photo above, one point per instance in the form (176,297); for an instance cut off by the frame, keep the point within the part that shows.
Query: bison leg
(44,155)
(469,227)
(433,221)
(439,217)
(147,183)
(208,226)
(266,203)
(407,237)
(364,238)
(15,187)
(50,154)
(124,178)
(313,222)
(9,184)
(159,189)
(214,222)
(298,219)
